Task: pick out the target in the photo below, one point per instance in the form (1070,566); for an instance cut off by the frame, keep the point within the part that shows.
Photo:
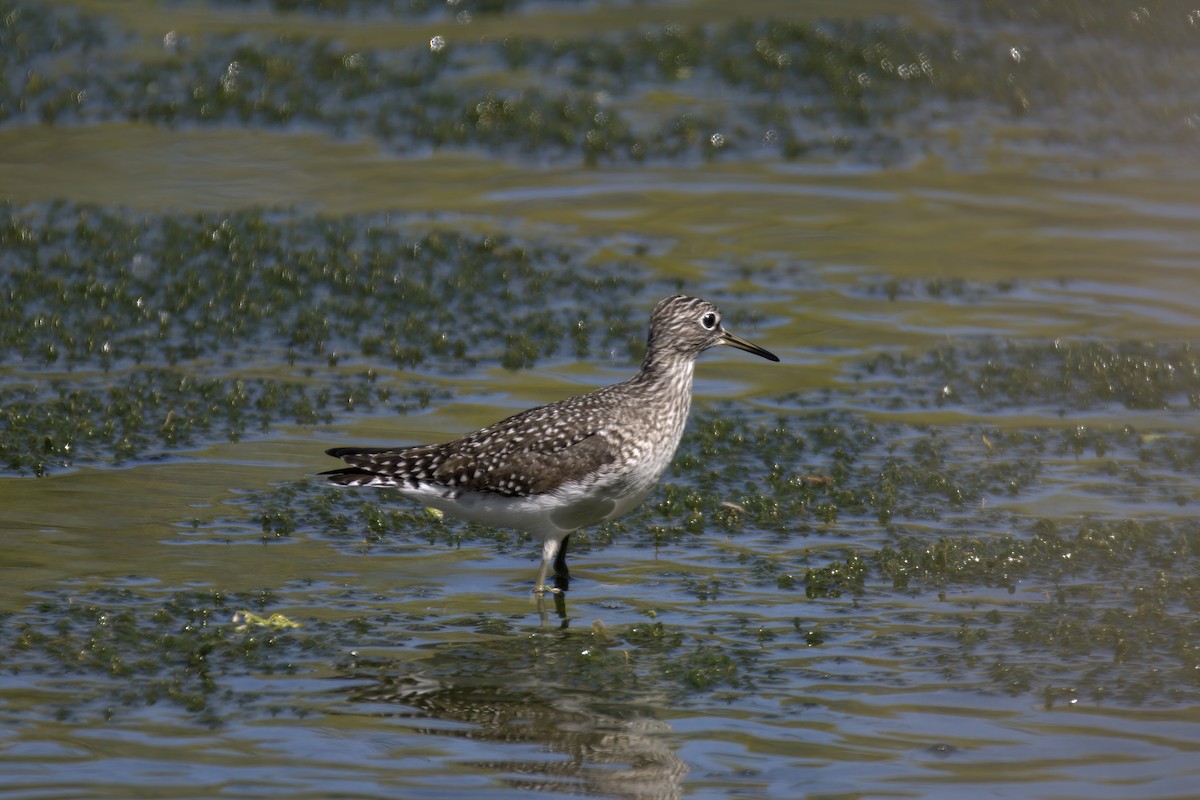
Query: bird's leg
(560,608)
(549,550)
(562,576)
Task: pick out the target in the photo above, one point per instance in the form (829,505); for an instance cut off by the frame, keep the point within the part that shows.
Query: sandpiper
(554,469)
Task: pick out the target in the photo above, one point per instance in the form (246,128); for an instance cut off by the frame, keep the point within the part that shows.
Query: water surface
(945,548)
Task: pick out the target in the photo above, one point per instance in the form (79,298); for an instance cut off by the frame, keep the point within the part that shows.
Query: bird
(552,470)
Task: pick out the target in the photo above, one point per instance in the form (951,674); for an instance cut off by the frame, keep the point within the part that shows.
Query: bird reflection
(612,749)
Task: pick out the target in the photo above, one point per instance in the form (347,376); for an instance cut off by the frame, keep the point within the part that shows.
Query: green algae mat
(948,547)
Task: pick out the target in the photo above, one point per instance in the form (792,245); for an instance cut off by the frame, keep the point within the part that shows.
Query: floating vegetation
(102,288)
(125,332)
(134,415)
(898,515)
(414,98)
(182,649)
(197,652)
(792,88)
(1070,374)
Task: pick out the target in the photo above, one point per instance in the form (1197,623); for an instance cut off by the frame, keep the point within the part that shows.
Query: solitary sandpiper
(554,469)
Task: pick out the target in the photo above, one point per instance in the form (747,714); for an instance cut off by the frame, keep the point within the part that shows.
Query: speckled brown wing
(526,471)
(529,453)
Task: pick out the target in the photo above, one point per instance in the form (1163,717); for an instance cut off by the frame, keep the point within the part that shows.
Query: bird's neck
(666,383)
(660,370)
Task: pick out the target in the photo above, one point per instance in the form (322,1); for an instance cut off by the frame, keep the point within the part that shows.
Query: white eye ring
(710,321)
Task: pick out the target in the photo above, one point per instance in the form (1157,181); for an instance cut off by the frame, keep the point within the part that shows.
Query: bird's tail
(357,475)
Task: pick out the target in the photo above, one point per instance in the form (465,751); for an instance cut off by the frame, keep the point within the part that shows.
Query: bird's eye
(709,321)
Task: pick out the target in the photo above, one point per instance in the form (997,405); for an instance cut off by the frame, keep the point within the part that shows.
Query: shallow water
(945,548)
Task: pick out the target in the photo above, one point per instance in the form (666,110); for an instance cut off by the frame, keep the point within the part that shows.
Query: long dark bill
(750,347)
